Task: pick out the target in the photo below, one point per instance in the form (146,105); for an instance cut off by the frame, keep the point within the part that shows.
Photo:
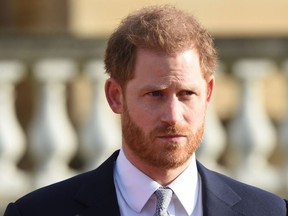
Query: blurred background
(54,119)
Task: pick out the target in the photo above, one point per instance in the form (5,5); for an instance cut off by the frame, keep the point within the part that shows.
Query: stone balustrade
(70,128)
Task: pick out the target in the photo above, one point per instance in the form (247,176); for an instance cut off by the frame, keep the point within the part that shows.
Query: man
(161,63)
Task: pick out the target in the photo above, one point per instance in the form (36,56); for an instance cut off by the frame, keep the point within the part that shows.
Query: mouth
(172,138)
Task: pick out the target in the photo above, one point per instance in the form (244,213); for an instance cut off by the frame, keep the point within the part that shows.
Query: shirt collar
(186,187)
(137,188)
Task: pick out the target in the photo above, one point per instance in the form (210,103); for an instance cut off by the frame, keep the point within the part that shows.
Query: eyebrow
(151,87)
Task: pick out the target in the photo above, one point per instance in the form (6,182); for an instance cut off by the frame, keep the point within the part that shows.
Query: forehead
(180,65)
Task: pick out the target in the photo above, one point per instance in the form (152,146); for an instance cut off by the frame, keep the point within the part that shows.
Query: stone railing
(55,121)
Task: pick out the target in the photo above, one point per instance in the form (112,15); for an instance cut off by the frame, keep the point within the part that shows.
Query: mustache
(171,130)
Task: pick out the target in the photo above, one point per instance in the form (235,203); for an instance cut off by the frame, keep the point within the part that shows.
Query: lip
(174,137)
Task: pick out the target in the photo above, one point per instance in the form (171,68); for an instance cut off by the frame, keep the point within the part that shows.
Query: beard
(157,153)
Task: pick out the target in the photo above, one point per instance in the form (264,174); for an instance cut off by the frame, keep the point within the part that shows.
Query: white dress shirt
(135,190)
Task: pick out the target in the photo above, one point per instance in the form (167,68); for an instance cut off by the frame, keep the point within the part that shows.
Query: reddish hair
(161,29)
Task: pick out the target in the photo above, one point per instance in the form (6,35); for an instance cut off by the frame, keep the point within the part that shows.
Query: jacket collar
(98,193)
(218,197)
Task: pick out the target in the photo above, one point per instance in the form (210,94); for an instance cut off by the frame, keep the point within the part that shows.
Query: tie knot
(164,195)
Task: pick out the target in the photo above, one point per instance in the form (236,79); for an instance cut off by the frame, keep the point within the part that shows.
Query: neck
(163,176)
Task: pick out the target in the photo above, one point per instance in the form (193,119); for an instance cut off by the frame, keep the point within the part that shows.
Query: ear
(114,96)
(210,88)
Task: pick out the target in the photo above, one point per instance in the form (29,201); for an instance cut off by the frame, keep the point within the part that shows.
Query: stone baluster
(13,181)
(283,135)
(100,133)
(52,137)
(251,132)
(214,140)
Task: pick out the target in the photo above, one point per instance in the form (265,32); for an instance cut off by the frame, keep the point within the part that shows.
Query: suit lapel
(217,197)
(97,193)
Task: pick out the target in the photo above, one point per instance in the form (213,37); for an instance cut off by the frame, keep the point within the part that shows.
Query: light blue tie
(164,195)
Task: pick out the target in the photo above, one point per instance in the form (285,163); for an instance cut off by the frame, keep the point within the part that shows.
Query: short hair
(161,29)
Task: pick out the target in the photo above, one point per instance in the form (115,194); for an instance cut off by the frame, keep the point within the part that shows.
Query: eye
(186,93)
(155,94)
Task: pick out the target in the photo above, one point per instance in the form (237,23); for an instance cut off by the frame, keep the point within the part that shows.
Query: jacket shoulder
(52,198)
(68,196)
(241,197)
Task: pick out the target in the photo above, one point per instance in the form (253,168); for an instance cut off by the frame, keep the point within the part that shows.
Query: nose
(172,111)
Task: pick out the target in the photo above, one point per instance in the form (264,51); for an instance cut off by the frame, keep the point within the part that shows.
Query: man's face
(164,108)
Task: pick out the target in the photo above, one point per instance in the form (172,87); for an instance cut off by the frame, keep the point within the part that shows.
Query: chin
(170,159)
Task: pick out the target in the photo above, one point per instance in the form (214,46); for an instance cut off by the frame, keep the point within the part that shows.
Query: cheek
(142,117)
(196,115)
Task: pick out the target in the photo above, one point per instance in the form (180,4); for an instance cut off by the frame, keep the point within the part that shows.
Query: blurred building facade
(55,122)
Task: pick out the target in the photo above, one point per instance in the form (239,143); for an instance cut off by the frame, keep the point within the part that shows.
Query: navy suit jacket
(93,193)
